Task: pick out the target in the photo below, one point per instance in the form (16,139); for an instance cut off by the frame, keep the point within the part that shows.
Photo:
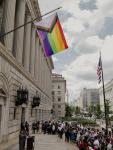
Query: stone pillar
(40,114)
(8,22)
(40,67)
(27,44)
(32,53)
(36,65)
(19,34)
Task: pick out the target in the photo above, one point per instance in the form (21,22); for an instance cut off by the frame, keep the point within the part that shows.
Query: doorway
(3,120)
(0,120)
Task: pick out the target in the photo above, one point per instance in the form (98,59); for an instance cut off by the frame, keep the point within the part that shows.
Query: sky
(88,28)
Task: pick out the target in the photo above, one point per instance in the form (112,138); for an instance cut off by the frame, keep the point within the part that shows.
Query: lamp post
(22,96)
(36,100)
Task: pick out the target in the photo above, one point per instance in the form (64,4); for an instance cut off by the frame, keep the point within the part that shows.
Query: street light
(36,100)
(22,96)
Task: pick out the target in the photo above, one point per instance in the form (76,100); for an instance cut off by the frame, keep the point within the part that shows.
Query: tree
(77,110)
(108,110)
(108,107)
(91,110)
(68,110)
(98,111)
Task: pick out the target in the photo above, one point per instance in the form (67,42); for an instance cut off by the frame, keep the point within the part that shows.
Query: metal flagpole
(2,35)
(105,108)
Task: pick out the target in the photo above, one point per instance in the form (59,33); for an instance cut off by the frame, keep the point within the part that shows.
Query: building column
(32,53)
(36,65)
(8,22)
(19,34)
(27,44)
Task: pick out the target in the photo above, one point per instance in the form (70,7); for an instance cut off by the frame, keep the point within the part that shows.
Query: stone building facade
(58,95)
(22,65)
(108,94)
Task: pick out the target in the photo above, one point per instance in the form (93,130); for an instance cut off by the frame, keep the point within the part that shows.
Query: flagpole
(106,115)
(2,35)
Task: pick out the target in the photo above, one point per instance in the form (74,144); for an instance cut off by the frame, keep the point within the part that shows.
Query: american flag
(99,70)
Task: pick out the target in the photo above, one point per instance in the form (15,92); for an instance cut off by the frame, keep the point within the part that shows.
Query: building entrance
(0,120)
(3,119)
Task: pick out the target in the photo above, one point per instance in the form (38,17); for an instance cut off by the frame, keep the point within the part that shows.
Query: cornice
(31,9)
(36,8)
(6,54)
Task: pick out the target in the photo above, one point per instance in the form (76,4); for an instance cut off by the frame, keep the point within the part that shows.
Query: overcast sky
(88,27)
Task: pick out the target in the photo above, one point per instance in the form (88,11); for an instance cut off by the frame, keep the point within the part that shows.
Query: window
(59,112)
(53,93)
(59,92)
(31,112)
(59,106)
(1,13)
(15,113)
(59,99)
(1,20)
(58,86)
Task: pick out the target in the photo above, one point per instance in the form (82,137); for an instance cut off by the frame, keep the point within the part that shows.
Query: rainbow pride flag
(51,35)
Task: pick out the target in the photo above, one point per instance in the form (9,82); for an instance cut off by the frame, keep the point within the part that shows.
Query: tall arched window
(1,19)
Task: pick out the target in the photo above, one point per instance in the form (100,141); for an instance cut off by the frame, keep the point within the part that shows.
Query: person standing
(33,127)
(60,130)
(67,132)
(22,139)
(53,128)
(27,127)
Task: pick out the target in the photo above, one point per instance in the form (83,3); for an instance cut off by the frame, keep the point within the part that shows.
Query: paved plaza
(50,142)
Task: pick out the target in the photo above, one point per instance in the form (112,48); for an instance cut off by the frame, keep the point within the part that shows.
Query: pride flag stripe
(54,41)
(62,34)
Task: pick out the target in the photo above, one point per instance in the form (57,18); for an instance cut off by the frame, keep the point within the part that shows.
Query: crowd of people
(86,138)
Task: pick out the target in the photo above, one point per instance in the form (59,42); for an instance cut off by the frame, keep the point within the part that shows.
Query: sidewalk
(49,142)
(52,142)
(8,145)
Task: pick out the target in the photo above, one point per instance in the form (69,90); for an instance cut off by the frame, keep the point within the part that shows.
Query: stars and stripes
(99,70)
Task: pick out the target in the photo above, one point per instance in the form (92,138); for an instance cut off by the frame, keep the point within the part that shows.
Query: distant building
(58,95)
(67,97)
(79,102)
(108,94)
(89,97)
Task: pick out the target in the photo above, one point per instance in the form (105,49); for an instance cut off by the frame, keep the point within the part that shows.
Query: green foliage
(82,121)
(77,110)
(69,110)
(95,110)
(111,118)
(98,111)
(91,109)
(108,106)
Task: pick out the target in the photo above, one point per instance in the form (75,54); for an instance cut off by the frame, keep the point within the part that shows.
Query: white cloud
(81,72)
(89,45)
(73,23)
